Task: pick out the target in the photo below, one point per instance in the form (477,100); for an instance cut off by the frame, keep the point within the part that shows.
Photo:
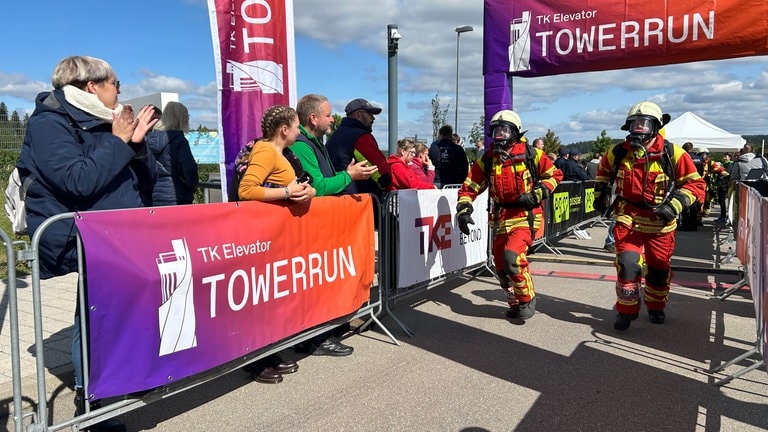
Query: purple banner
(174,291)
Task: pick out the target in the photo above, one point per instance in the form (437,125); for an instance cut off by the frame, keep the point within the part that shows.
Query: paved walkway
(469,369)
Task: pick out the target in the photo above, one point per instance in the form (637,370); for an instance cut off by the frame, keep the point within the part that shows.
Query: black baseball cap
(361,104)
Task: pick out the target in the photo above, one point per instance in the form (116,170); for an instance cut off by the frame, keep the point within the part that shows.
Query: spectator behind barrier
(177,176)
(450,160)
(270,176)
(421,164)
(572,170)
(315,117)
(403,177)
(88,153)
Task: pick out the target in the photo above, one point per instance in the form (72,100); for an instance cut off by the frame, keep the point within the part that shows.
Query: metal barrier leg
(373,319)
(737,286)
(405,328)
(551,248)
(744,356)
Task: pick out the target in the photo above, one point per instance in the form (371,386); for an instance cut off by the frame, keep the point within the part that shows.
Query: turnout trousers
(511,261)
(634,252)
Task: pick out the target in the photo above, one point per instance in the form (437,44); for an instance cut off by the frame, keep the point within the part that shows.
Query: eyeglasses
(116,83)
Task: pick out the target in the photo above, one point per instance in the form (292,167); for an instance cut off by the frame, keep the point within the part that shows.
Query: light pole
(459,31)
(393,37)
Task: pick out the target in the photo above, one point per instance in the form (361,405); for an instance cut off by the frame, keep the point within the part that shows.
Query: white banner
(753,265)
(430,243)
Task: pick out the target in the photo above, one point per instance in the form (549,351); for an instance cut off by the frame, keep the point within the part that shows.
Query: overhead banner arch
(531,38)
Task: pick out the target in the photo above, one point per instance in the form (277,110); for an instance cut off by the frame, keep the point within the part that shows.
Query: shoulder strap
(667,160)
(530,163)
(619,153)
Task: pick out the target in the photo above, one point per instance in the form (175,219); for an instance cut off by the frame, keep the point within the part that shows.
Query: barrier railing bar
(733,376)
(13,310)
(735,287)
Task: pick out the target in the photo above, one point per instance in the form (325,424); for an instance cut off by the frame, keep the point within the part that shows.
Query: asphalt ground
(469,368)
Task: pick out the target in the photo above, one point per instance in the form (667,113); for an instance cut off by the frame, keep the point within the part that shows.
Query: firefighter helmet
(505,128)
(644,121)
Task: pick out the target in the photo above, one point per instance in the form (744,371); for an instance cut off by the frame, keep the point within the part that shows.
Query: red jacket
(426,175)
(403,177)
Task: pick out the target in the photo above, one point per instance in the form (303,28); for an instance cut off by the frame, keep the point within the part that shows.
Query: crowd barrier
(277,253)
(748,211)
(224,284)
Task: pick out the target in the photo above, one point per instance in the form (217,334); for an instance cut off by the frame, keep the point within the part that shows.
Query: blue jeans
(609,238)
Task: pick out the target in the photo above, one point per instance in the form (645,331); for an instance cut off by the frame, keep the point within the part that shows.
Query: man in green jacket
(314,121)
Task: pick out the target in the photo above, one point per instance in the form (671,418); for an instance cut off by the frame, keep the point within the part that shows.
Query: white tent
(690,127)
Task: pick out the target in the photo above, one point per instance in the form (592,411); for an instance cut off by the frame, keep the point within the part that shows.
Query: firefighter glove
(531,200)
(463,215)
(666,212)
(528,201)
(602,197)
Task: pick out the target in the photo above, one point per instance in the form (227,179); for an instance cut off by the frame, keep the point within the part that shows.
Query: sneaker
(332,347)
(610,247)
(623,320)
(523,310)
(656,316)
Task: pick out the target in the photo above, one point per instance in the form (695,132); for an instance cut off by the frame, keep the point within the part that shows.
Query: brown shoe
(283,366)
(268,376)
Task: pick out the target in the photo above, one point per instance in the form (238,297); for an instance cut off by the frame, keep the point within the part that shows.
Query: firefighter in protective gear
(518,177)
(655,180)
(711,171)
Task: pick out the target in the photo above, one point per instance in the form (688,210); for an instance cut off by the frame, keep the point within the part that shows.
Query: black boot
(109,425)
(623,320)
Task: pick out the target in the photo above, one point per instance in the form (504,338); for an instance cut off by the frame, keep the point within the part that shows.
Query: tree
(602,143)
(438,116)
(551,142)
(477,131)
(335,125)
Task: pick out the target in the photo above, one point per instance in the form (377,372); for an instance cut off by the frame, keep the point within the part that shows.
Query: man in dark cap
(561,158)
(353,140)
(572,170)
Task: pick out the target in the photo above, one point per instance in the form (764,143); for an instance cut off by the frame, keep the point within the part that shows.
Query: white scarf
(89,103)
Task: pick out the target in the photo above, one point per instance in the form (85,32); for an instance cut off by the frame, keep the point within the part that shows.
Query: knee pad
(630,265)
(657,277)
(511,263)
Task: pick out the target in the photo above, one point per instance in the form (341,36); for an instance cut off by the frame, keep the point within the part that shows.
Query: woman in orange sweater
(270,176)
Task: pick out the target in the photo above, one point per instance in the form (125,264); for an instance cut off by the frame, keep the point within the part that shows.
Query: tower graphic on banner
(176,315)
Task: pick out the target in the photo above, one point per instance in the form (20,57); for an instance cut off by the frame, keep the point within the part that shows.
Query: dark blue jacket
(80,165)
(341,149)
(177,175)
(450,160)
(572,171)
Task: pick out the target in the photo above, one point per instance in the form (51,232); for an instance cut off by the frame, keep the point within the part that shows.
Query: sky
(341,52)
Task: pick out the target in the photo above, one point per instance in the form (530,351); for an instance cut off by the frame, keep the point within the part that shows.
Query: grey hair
(175,117)
(309,104)
(78,70)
